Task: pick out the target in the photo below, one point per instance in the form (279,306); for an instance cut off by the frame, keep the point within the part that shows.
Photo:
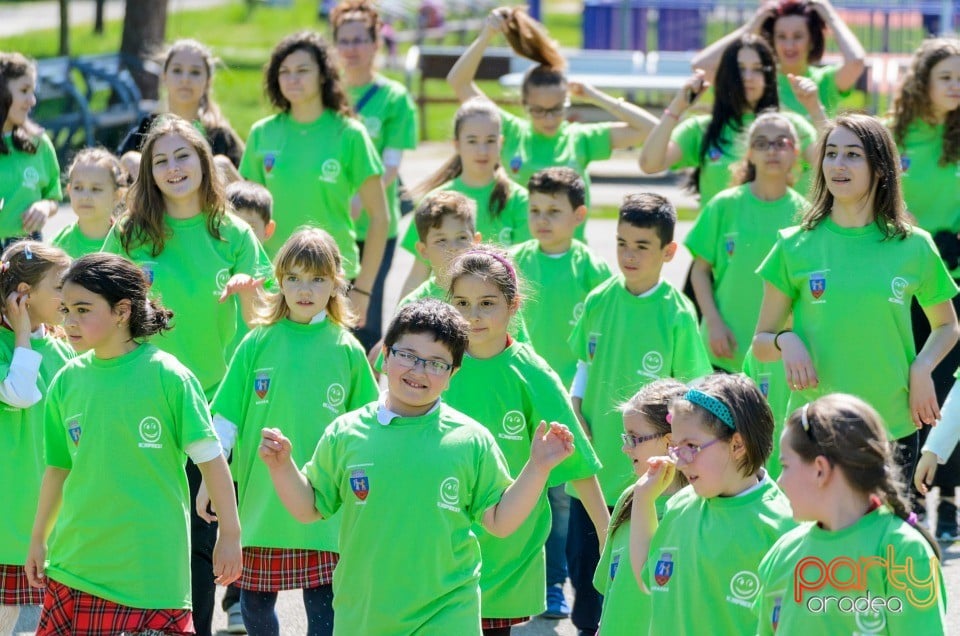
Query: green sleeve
(61,237)
(924,610)
(578,337)
(702,239)
(56,454)
(517,211)
(250,168)
(594,141)
(761,603)
(250,257)
(511,125)
(599,272)
(230,400)
(362,160)
(601,576)
(690,360)
(410,239)
(937,285)
(688,135)
(400,129)
(111,244)
(189,404)
(773,269)
(493,478)
(53,189)
(517,328)
(363,388)
(805,130)
(324,473)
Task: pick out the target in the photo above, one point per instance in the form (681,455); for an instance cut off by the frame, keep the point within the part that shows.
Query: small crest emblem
(261,384)
(775,617)
(73,428)
(614,564)
(269,161)
(818,284)
(360,484)
(515,164)
(904,163)
(592,345)
(664,569)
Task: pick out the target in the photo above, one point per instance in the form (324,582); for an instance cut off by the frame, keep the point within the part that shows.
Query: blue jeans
(556,546)
(583,554)
(260,616)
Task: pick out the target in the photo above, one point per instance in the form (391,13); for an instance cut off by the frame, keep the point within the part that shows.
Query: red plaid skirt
(70,612)
(14,588)
(275,569)
(497,623)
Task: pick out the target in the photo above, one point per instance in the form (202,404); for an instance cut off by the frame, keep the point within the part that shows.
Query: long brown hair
(849,433)
(28,262)
(315,251)
(913,100)
(530,39)
(453,168)
(14,66)
(331,93)
(651,403)
(144,222)
(884,163)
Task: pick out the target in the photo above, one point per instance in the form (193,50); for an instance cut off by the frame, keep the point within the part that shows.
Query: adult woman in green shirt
(796,30)
(545,139)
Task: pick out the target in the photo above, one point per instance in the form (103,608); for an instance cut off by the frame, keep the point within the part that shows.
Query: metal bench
(61,108)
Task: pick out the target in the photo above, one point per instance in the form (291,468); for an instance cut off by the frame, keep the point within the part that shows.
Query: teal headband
(717,408)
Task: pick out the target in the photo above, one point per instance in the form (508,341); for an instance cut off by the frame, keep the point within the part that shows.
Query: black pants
(370,334)
(203,537)
(583,554)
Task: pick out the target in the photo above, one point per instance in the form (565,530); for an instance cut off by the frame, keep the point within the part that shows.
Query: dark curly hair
(815,26)
(331,93)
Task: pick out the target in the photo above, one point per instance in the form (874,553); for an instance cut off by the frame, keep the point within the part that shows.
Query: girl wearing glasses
(728,517)
(735,232)
(308,319)
(545,138)
(796,30)
(390,117)
(847,275)
(626,609)
(841,478)
(521,392)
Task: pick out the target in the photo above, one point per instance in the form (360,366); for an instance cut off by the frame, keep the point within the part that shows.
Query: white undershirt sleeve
(203,451)
(392,157)
(579,387)
(19,389)
(943,437)
(226,433)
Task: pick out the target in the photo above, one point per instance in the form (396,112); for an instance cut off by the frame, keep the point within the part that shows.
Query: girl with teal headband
(721,436)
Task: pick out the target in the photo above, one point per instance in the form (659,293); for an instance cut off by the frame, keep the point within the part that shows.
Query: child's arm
(35,216)
(708,60)
(853,52)
(808,94)
(592,499)
(643,513)
(249,290)
(227,556)
(549,448)
(722,341)
(292,487)
(19,389)
(659,152)
(941,441)
(771,344)
(51,495)
(636,122)
(577,391)
(375,203)
(464,70)
(942,338)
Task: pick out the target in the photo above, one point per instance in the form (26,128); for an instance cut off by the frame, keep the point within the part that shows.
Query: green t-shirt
(574,146)
(120,426)
(75,243)
(411,493)
(626,608)
(263,387)
(188,276)
(557,286)
(715,173)
(931,191)
(734,233)
(390,117)
(25,179)
(312,170)
(524,391)
(825,77)
(851,294)
(772,381)
(510,227)
(21,447)
(621,360)
(728,534)
(878,557)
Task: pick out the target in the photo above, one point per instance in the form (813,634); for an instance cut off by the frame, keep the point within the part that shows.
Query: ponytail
(449,171)
(529,38)
(891,490)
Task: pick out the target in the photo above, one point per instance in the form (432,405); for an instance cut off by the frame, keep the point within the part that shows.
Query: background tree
(144,28)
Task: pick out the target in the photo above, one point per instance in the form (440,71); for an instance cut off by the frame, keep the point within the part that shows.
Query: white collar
(319,317)
(760,483)
(650,291)
(385,416)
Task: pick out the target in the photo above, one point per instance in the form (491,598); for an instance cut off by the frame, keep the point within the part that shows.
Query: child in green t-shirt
(362,467)
(626,609)
(861,563)
(253,203)
(475,171)
(848,275)
(97,186)
(485,289)
(309,318)
(31,353)
(120,421)
(701,558)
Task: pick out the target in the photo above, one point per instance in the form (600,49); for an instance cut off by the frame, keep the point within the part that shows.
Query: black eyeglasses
(763,144)
(540,111)
(410,361)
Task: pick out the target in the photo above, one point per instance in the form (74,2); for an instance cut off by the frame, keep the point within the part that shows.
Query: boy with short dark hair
(254,204)
(635,328)
(362,466)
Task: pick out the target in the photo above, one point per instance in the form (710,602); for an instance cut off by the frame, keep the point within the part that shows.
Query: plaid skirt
(497,623)
(70,612)
(276,569)
(14,588)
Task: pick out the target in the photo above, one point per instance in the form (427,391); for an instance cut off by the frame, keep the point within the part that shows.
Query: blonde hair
(103,158)
(28,262)
(314,250)
(744,171)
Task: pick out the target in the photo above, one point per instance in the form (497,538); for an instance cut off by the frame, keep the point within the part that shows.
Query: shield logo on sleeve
(818,284)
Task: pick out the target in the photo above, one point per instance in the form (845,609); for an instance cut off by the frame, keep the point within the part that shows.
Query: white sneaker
(235,620)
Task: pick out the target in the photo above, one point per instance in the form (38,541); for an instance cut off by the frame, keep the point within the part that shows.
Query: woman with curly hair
(314,156)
